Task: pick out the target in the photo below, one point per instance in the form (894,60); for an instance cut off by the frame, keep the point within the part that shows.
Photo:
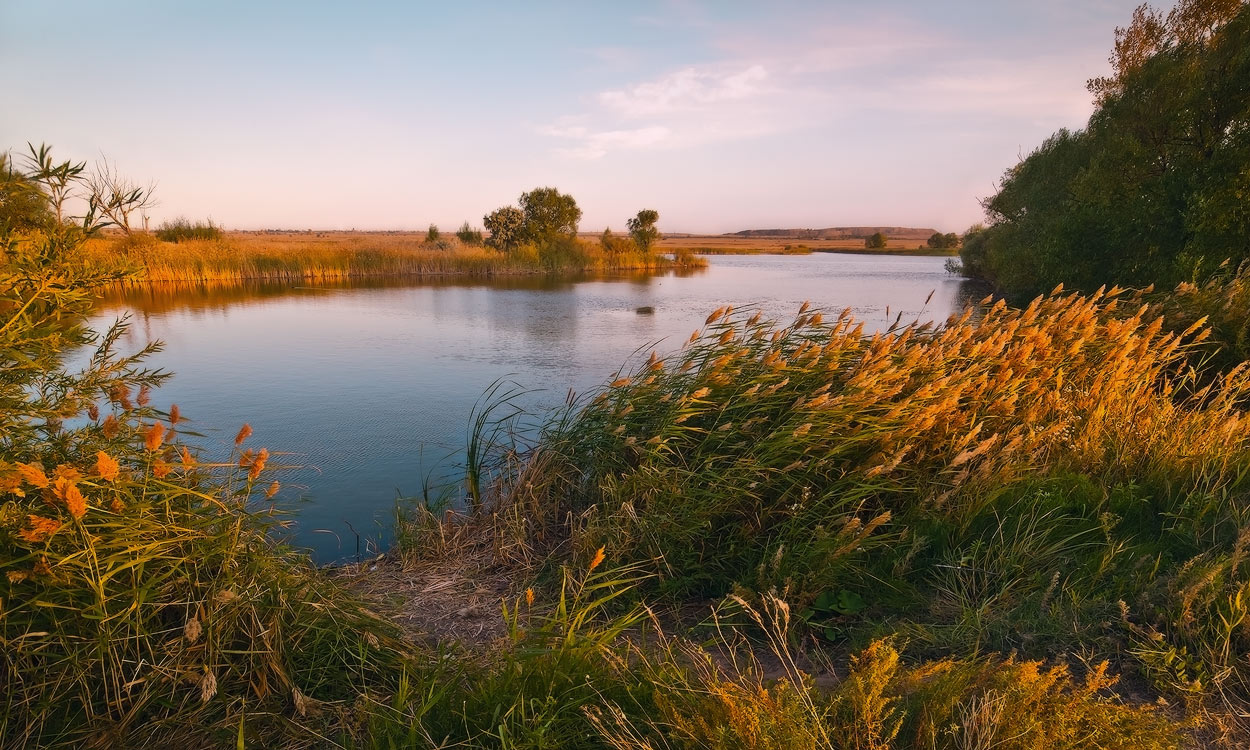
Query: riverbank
(1023,526)
(338,256)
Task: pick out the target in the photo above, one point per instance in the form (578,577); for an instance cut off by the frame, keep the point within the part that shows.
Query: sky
(721,115)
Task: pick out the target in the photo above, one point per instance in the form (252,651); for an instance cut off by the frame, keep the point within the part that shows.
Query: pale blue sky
(721,115)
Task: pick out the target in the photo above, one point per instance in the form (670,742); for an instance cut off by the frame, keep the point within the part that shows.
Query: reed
(308,258)
(1062,476)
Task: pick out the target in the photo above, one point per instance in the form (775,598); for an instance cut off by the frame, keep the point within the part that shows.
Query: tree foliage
(468,235)
(876,241)
(546,219)
(549,215)
(642,229)
(939,241)
(505,225)
(1156,188)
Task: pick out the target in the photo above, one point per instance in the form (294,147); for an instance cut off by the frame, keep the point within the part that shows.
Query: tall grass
(1033,480)
(288,258)
(143,601)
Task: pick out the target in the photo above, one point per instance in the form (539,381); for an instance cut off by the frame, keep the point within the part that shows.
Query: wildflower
(273,490)
(154,436)
(175,415)
(244,432)
(33,475)
(594,563)
(160,469)
(187,459)
(529,596)
(714,316)
(93,412)
(17,576)
(700,393)
(39,529)
(726,337)
(106,467)
(145,395)
(116,506)
(620,383)
(803,429)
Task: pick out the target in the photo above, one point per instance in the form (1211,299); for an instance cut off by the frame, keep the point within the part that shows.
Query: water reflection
(369,384)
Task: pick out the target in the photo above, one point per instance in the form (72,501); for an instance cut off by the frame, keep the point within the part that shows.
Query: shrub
(180,230)
(468,235)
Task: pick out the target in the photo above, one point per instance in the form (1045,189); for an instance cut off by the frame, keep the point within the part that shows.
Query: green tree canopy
(549,215)
(876,241)
(1156,189)
(504,225)
(642,229)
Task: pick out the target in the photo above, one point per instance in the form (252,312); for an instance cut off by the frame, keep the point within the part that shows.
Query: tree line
(1156,188)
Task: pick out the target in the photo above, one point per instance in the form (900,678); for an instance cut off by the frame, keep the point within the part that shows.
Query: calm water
(369,387)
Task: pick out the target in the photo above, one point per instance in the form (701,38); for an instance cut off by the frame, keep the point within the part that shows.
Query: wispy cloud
(768,85)
(590,144)
(688,89)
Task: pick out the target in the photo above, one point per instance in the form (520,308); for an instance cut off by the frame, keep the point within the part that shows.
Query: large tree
(549,215)
(642,229)
(1154,189)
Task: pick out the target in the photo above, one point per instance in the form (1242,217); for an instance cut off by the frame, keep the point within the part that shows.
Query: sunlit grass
(299,257)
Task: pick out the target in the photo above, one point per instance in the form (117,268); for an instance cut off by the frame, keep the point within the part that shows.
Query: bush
(181,229)
(468,235)
(876,241)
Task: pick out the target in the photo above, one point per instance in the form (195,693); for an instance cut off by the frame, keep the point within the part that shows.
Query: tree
(505,226)
(642,229)
(939,241)
(876,241)
(117,198)
(432,235)
(1153,190)
(548,215)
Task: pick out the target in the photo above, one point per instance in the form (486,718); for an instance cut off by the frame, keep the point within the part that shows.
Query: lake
(368,387)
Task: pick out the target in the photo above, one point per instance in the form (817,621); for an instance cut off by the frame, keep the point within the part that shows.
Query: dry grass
(336,256)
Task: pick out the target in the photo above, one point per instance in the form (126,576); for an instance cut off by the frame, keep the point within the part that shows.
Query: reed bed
(301,258)
(1041,480)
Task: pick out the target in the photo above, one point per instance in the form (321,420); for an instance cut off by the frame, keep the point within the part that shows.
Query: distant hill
(839,233)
